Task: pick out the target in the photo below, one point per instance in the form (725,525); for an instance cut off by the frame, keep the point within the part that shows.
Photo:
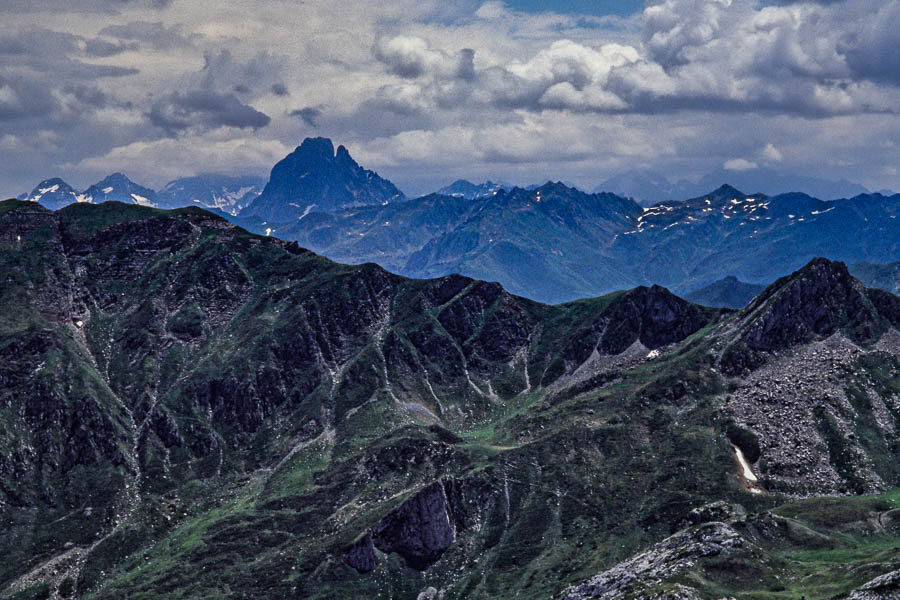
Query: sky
(427,91)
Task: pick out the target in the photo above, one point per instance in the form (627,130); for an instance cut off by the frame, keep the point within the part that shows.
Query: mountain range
(552,243)
(730,292)
(225,193)
(472,191)
(191,410)
(649,187)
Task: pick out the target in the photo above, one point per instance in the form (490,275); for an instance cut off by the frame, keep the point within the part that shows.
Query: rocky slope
(828,548)
(190,410)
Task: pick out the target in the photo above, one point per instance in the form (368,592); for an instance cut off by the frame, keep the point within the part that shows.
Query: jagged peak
(814,302)
(53,181)
(821,270)
(727,190)
(317,145)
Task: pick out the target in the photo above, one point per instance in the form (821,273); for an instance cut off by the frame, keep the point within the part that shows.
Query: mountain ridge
(237,411)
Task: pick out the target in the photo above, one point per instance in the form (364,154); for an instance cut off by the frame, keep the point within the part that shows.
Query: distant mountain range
(551,242)
(556,243)
(224,193)
(649,187)
(731,292)
(227,193)
(462,188)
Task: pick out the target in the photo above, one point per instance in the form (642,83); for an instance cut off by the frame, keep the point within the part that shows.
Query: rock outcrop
(638,576)
(420,530)
(886,587)
(361,554)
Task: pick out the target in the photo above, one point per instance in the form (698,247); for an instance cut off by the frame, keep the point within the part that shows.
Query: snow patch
(749,475)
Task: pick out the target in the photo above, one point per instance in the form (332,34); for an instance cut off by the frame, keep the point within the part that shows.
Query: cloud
(308,115)
(162,160)
(23,98)
(83,6)
(872,51)
(411,57)
(103,48)
(739,164)
(682,87)
(152,33)
(674,28)
(770,152)
(204,109)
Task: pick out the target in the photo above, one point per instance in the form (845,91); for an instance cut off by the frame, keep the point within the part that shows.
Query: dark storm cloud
(26,59)
(24,98)
(874,52)
(308,115)
(44,51)
(89,96)
(204,109)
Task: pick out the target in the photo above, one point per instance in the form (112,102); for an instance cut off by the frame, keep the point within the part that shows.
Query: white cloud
(159,161)
(739,164)
(770,152)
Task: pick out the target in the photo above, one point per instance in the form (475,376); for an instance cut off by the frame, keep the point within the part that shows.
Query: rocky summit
(190,410)
(316,177)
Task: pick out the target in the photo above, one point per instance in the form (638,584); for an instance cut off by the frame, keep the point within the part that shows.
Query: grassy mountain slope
(194,411)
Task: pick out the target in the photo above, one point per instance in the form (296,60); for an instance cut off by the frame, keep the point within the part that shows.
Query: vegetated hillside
(193,411)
